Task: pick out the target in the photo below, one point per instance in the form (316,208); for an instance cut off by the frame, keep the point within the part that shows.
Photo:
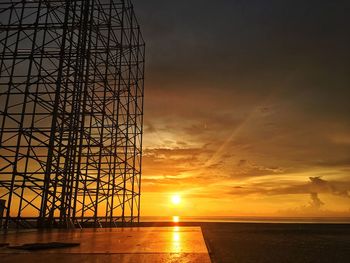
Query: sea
(241,219)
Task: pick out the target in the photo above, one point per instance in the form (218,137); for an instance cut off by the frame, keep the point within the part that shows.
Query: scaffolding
(71,113)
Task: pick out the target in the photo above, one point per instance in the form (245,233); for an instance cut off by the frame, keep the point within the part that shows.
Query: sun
(176,199)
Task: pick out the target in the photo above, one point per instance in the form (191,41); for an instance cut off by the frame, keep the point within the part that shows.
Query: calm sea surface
(335,220)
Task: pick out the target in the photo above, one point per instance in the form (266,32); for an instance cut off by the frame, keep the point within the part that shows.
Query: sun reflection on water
(176,237)
(176,219)
(176,240)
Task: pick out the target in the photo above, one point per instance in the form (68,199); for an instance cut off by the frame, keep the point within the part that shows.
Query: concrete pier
(145,244)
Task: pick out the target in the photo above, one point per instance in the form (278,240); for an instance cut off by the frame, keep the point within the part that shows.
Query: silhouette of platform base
(144,244)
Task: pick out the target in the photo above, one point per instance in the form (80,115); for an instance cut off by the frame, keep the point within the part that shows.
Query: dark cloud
(251,169)
(315,203)
(149,127)
(335,188)
(198,41)
(334,163)
(173,161)
(314,187)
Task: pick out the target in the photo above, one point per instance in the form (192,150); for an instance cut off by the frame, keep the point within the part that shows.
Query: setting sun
(176,199)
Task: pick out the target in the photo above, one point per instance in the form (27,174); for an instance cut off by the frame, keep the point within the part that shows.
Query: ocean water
(299,242)
(327,220)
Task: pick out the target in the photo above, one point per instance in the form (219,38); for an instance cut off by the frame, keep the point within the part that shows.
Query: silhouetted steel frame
(71,113)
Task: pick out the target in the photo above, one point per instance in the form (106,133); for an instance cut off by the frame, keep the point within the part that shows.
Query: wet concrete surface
(144,244)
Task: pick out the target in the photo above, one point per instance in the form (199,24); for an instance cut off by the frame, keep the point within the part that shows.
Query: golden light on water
(176,237)
(176,244)
(176,219)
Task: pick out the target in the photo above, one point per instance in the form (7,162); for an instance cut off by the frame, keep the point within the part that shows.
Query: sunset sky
(246,107)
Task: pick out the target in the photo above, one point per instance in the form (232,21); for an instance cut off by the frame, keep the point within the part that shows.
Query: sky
(246,107)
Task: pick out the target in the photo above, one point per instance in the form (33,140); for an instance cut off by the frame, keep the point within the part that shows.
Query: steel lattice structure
(71,112)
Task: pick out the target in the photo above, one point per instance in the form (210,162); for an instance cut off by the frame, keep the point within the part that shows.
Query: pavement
(106,245)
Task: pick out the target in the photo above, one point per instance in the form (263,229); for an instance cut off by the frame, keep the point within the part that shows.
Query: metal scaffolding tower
(71,113)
